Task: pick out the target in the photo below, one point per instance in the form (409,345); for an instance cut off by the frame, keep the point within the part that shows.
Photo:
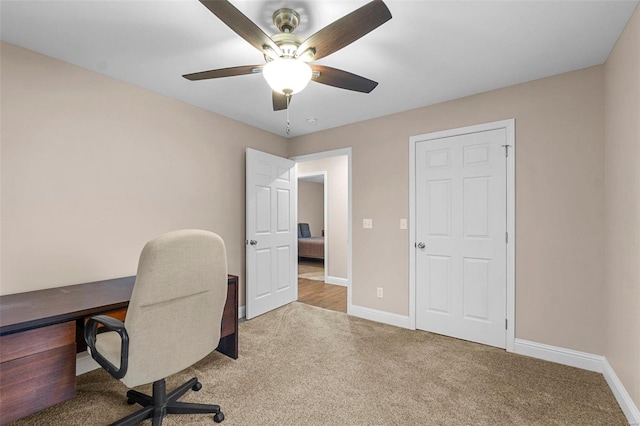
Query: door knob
(421,245)
(253,242)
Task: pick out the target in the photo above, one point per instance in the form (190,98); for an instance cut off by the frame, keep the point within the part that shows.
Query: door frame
(325,214)
(328,154)
(509,126)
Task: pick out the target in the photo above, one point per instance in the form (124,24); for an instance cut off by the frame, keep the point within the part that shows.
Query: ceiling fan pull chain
(288,96)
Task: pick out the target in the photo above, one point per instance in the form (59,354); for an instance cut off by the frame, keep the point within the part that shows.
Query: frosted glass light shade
(287,76)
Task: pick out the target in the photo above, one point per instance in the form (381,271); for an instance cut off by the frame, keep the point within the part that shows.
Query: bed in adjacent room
(308,246)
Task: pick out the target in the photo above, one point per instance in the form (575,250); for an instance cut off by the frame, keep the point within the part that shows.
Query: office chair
(173,321)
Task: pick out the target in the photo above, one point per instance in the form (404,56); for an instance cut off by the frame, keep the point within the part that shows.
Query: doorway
(312,223)
(324,252)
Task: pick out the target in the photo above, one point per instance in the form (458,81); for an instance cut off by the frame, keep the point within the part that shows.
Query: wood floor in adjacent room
(316,292)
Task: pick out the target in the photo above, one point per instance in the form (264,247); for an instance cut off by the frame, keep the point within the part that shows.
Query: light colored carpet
(302,365)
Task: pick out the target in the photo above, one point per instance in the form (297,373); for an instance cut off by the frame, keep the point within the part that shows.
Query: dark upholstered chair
(303,230)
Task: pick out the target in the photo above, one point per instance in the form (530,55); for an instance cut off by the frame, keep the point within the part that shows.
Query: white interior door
(271,233)
(461,247)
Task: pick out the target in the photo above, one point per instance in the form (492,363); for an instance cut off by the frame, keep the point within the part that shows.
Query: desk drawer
(18,345)
(38,369)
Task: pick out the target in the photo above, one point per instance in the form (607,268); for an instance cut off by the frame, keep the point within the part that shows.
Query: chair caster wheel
(218,417)
(130,401)
(196,387)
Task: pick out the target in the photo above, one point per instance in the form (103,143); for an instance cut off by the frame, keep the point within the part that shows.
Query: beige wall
(92,168)
(622,201)
(559,201)
(311,206)
(337,213)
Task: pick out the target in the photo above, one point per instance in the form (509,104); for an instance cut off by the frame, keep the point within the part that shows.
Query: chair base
(158,405)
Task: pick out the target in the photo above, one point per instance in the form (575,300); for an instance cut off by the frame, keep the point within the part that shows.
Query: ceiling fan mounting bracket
(286,20)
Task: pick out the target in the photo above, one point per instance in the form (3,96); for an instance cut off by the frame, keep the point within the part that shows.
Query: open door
(271,244)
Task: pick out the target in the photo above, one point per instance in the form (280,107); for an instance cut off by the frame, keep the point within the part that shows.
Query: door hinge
(506,237)
(506,150)
(506,324)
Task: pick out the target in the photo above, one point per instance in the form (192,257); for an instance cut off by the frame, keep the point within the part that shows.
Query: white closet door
(461,236)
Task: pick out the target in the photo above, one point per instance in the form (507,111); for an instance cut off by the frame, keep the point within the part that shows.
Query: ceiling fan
(288,56)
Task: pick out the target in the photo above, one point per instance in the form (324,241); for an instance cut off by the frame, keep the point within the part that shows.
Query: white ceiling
(429,52)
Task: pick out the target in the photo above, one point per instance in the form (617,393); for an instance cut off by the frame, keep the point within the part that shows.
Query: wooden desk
(38,341)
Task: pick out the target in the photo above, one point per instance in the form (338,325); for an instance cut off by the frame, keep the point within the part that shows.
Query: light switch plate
(367,223)
(403,223)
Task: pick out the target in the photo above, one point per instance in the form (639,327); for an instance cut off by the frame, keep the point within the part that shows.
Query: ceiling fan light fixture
(287,75)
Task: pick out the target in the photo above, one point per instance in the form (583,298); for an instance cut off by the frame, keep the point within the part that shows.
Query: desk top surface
(32,309)
(24,311)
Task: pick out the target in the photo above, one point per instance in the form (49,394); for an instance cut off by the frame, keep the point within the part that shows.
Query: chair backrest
(173,319)
(303,230)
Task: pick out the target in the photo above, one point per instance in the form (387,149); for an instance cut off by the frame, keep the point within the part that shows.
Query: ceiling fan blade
(242,25)
(342,79)
(280,101)
(224,72)
(346,30)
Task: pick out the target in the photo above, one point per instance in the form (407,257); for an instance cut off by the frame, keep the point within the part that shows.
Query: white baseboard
(586,361)
(336,281)
(629,409)
(84,363)
(242,310)
(578,359)
(380,316)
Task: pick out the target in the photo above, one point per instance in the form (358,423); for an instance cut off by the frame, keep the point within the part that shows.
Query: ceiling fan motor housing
(288,44)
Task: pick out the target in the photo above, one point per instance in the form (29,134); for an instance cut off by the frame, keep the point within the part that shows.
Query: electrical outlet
(403,223)
(379,291)
(367,223)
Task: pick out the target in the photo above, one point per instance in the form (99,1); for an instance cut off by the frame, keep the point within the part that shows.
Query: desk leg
(229,345)
(229,328)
